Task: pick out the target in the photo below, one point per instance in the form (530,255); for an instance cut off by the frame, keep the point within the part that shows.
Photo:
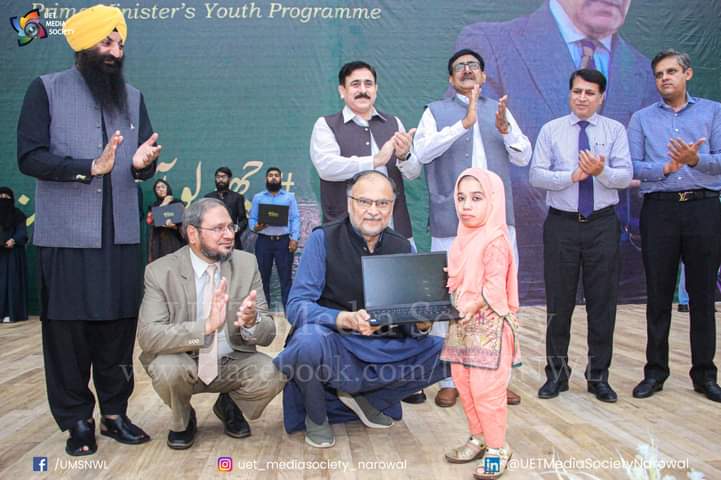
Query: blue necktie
(585,188)
(588,48)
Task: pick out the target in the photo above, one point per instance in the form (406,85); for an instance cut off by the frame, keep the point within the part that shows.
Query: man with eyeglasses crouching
(340,367)
(202,315)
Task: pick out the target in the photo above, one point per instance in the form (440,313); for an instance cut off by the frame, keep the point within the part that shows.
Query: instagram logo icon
(225,464)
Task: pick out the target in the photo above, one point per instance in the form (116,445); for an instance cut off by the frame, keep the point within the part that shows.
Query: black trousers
(572,248)
(691,231)
(70,349)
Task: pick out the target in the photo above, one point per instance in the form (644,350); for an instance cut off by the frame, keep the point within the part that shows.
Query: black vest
(355,140)
(344,249)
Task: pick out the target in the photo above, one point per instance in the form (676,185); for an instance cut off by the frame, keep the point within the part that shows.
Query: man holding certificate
(274,217)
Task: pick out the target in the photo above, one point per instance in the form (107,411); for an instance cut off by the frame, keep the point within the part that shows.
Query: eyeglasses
(473,66)
(218,231)
(366,203)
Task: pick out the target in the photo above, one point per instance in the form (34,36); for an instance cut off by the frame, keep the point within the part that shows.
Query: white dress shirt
(201,283)
(333,167)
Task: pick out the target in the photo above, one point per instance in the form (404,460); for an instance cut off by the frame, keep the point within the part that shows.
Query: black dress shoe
(647,387)
(184,439)
(228,412)
(123,430)
(552,388)
(603,391)
(415,398)
(683,307)
(82,439)
(711,389)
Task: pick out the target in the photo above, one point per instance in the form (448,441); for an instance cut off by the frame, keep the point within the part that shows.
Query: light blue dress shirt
(280,198)
(650,131)
(556,157)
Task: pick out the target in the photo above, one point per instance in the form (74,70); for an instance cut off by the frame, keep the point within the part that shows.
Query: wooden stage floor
(572,436)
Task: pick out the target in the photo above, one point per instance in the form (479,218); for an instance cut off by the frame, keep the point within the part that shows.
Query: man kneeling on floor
(202,316)
(340,367)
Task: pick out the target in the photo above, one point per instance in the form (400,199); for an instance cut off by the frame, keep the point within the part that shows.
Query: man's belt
(275,237)
(687,196)
(604,212)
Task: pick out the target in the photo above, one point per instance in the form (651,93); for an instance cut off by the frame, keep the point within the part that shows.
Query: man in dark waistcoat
(85,135)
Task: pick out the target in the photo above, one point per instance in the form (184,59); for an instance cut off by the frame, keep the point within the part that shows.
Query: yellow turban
(89,27)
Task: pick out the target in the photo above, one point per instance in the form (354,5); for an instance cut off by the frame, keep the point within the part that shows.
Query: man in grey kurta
(84,134)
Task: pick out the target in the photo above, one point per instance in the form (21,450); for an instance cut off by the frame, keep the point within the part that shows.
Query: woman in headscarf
(13,266)
(166,239)
(483,345)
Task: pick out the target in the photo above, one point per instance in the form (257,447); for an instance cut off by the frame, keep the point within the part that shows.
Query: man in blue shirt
(582,161)
(275,243)
(340,367)
(676,151)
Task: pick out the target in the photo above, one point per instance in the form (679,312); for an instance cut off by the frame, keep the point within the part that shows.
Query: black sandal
(82,439)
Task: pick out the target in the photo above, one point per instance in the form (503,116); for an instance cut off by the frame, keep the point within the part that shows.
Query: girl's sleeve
(495,271)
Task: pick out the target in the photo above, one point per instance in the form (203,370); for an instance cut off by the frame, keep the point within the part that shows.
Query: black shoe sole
(414,399)
(119,439)
(655,389)
(703,392)
(561,388)
(606,400)
(219,414)
(180,446)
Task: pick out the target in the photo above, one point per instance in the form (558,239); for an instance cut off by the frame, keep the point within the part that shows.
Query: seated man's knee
(310,341)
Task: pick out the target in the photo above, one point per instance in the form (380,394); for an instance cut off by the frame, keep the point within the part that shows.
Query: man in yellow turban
(85,135)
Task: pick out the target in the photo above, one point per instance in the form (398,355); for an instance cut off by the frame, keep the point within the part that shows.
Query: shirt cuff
(249,332)
(366,163)
(512,139)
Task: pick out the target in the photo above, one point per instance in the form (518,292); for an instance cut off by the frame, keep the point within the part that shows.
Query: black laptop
(406,288)
(273,215)
(172,212)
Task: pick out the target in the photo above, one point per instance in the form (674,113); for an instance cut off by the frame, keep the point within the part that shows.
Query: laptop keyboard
(416,313)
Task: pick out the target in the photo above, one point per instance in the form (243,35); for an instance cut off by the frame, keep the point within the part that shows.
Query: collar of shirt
(200,265)
(568,29)
(348,115)
(689,101)
(573,119)
(279,193)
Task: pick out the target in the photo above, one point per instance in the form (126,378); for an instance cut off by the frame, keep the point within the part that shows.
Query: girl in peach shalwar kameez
(483,345)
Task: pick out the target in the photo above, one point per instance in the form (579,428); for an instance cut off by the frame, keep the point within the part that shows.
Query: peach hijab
(465,257)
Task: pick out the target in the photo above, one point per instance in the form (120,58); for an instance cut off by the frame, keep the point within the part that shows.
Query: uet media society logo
(28,27)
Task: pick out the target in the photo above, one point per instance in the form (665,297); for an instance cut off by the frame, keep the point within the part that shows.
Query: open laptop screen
(404,279)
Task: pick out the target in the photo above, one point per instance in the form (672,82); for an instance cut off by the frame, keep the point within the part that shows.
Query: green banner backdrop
(241,84)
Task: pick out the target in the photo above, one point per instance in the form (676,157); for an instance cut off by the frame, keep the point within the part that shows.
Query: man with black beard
(277,243)
(234,201)
(85,135)
(201,318)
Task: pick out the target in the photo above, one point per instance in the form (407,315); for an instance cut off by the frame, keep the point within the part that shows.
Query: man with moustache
(275,243)
(529,58)
(360,138)
(456,133)
(234,201)
(581,160)
(340,368)
(201,318)
(676,152)
(85,135)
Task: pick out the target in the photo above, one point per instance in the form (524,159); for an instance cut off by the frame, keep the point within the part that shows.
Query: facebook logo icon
(491,465)
(40,464)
